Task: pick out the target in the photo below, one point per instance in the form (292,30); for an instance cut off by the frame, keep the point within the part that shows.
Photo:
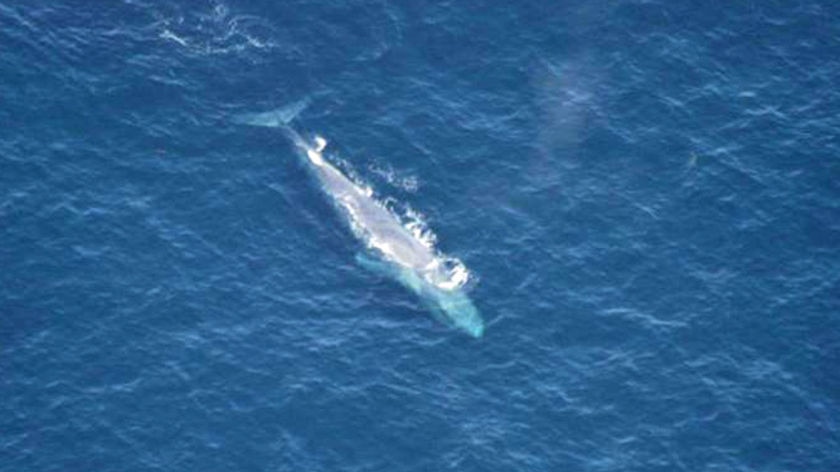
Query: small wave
(166,34)
(459,275)
(409,183)
(448,272)
(411,220)
(416,224)
(217,32)
(455,273)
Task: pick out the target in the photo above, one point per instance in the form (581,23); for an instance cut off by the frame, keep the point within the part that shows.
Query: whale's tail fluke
(277,118)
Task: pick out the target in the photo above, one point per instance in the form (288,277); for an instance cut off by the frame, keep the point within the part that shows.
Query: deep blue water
(646,193)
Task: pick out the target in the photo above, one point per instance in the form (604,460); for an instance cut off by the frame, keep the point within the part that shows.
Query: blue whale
(393,250)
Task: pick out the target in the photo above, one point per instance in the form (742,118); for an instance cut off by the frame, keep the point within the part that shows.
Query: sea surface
(646,195)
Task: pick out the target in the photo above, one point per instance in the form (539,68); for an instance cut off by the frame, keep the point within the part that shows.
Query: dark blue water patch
(645,194)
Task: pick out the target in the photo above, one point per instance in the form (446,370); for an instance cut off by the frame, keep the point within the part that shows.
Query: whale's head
(452,306)
(458,310)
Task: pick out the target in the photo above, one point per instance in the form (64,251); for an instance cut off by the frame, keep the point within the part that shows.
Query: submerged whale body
(395,250)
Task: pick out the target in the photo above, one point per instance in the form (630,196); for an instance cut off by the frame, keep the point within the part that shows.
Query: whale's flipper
(374,265)
(277,118)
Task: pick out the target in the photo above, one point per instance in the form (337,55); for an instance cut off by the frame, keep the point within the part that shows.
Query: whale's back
(378,226)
